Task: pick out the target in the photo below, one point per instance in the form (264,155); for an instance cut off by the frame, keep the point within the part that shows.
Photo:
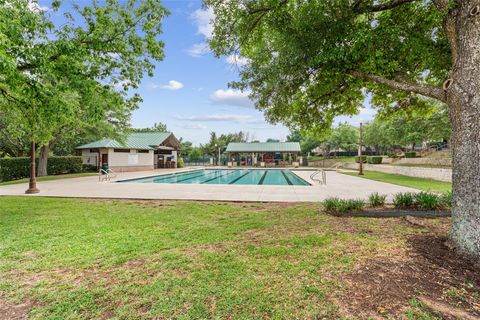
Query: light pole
(32,184)
(218,155)
(360,171)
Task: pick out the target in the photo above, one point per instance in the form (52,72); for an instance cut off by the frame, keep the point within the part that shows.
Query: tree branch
(423,89)
(449,25)
(357,7)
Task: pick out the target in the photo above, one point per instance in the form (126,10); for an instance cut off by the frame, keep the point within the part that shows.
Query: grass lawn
(332,160)
(102,259)
(406,181)
(49,178)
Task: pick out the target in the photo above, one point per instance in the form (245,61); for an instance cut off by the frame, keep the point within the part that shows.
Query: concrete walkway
(338,185)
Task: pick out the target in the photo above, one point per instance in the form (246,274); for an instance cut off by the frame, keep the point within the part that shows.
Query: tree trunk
(43,158)
(43,161)
(463,98)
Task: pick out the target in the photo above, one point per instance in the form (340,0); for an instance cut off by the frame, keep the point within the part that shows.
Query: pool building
(139,152)
(263,154)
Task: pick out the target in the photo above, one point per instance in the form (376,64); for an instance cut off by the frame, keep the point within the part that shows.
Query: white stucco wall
(89,157)
(130,159)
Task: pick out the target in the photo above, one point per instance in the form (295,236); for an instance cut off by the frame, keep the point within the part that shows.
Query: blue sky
(189,92)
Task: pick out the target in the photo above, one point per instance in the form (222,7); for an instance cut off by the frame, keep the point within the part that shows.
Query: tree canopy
(75,74)
(157,127)
(309,61)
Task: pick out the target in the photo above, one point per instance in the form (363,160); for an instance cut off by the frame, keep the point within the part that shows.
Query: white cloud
(193,126)
(198,49)
(232,97)
(172,85)
(35,7)
(203,19)
(235,59)
(222,117)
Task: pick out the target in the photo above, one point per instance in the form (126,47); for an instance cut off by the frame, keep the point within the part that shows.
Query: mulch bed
(430,269)
(393,213)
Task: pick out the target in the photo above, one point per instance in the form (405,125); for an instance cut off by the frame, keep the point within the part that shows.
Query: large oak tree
(309,61)
(66,75)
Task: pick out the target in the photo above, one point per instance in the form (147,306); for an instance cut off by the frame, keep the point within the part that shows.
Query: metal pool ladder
(322,179)
(106,175)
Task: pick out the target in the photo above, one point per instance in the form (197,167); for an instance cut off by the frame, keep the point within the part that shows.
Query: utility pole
(360,171)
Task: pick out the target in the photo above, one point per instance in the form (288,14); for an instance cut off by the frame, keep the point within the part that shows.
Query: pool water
(228,176)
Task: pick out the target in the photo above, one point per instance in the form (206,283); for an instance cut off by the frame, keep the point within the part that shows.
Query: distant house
(140,151)
(263,154)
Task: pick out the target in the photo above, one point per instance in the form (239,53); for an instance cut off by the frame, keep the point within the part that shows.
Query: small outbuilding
(140,151)
(263,154)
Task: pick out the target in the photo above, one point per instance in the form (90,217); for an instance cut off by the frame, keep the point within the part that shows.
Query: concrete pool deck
(338,185)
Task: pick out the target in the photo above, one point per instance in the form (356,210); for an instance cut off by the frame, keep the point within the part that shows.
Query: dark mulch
(395,214)
(382,288)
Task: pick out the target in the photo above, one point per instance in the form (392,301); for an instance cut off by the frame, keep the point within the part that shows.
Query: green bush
(411,154)
(180,163)
(403,200)
(18,168)
(335,205)
(331,204)
(427,200)
(357,159)
(374,159)
(376,199)
(89,168)
(446,200)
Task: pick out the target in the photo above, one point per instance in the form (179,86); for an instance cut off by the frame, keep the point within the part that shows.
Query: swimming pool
(274,177)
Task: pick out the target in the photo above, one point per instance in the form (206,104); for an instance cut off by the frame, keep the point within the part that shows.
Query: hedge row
(374,159)
(357,159)
(18,168)
(369,159)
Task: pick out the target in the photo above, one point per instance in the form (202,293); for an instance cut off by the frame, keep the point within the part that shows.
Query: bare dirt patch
(13,311)
(428,270)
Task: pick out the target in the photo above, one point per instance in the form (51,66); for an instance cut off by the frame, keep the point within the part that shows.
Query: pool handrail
(322,180)
(106,175)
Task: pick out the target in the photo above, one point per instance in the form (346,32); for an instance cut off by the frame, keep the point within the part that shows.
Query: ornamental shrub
(446,200)
(335,205)
(427,200)
(376,199)
(180,163)
(357,159)
(411,154)
(403,200)
(374,159)
(18,168)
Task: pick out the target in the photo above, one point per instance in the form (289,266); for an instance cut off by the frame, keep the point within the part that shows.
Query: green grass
(49,178)
(406,181)
(84,259)
(419,165)
(332,160)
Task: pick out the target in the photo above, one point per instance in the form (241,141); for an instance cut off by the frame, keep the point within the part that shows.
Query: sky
(189,91)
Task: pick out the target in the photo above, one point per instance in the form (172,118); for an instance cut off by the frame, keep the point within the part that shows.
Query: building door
(104,158)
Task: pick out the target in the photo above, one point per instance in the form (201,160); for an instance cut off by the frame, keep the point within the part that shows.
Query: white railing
(322,179)
(106,175)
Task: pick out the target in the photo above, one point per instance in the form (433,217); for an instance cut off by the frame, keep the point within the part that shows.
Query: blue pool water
(228,176)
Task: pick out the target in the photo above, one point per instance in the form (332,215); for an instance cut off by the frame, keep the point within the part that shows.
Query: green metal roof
(143,141)
(263,147)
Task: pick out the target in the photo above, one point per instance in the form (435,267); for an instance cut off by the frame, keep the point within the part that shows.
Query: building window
(122,150)
(143,151)
(94,150)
